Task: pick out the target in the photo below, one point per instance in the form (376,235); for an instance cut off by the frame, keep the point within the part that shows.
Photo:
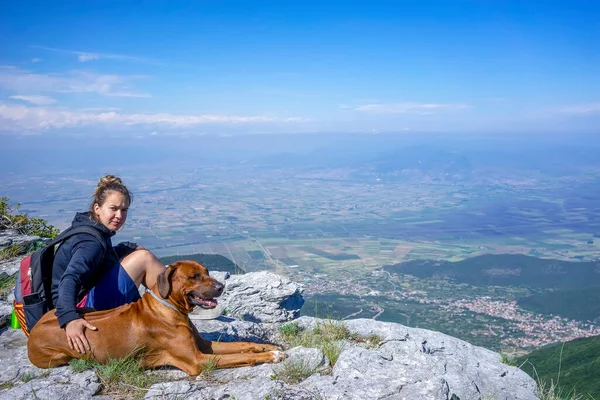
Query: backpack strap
(77,230)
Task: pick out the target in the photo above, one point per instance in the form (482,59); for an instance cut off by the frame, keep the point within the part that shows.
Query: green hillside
(214,262)
(507,270)
(579,366)
(581,305)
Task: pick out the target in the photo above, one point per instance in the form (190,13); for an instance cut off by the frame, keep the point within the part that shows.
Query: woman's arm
(85,258)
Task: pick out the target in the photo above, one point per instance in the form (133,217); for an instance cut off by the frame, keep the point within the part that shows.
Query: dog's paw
(268,347)
(278,356)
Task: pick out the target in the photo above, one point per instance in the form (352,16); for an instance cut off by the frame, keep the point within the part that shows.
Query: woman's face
(113,213)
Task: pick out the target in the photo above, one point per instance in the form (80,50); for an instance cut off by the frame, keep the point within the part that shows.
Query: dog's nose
(219,287)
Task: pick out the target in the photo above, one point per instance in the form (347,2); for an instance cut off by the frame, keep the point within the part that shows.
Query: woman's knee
(139,258)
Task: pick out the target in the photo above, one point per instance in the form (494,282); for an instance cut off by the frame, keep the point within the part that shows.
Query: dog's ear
(164,281)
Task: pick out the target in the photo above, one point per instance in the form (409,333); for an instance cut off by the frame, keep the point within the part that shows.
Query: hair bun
(107,180)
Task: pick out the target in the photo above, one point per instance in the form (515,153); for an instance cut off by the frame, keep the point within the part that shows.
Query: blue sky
(159,68)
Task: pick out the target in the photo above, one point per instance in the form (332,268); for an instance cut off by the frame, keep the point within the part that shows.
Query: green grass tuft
(290,330)
(210,366)
(332,350)
(508,360)
(370,342)
(293,371)
(550,390)
(326,336)
(7,284)
(120,377)
(7,385)
(27,377)
(9,252)
(80,364)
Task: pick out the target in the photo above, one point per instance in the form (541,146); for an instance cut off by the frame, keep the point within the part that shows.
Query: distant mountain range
(507,270)
(448,161)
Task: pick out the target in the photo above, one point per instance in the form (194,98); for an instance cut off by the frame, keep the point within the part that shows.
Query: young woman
(86,275)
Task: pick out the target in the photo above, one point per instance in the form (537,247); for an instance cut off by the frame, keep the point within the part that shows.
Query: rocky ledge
(404,363)
(373,360)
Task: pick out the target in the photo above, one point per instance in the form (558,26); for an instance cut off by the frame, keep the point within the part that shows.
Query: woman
(86,275)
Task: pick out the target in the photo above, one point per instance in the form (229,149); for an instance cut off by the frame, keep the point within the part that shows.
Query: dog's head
(187,284)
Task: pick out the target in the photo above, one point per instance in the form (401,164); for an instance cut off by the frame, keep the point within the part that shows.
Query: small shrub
(10,219)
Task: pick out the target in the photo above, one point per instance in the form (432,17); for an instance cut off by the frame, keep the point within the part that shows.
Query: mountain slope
(580,304)
(507,270)
(579,366)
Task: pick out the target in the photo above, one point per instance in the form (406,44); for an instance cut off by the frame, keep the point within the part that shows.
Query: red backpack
(33,292)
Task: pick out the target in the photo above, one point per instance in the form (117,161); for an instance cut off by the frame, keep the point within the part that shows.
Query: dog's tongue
(208,302)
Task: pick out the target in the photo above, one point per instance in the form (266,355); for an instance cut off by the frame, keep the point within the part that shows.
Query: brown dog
(159,328)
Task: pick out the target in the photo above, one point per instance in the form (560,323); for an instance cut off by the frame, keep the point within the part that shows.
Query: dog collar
(164,302)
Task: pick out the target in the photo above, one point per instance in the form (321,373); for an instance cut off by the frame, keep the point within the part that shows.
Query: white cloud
(85,56)
(408,108)
(100,109)
(38,118)
(36,60)
(77,81)
(581,109)
(35,99)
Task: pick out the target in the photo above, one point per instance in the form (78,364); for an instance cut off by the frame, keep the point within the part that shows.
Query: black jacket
(79,263)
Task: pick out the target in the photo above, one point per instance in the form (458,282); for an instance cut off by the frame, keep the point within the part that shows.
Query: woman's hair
(106,184)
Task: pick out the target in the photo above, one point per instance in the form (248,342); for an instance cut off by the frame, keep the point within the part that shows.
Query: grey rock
(174,390)
(11,266)
(60,383)
(256,388)
(11,237)
(262,297)
(419,364)
(227,329)
(309,358)
(5,313)
(29,382)
(221,276)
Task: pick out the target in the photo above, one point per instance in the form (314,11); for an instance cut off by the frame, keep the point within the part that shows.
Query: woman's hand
(76,334)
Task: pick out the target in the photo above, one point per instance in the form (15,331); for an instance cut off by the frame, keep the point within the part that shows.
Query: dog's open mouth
(201,301)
